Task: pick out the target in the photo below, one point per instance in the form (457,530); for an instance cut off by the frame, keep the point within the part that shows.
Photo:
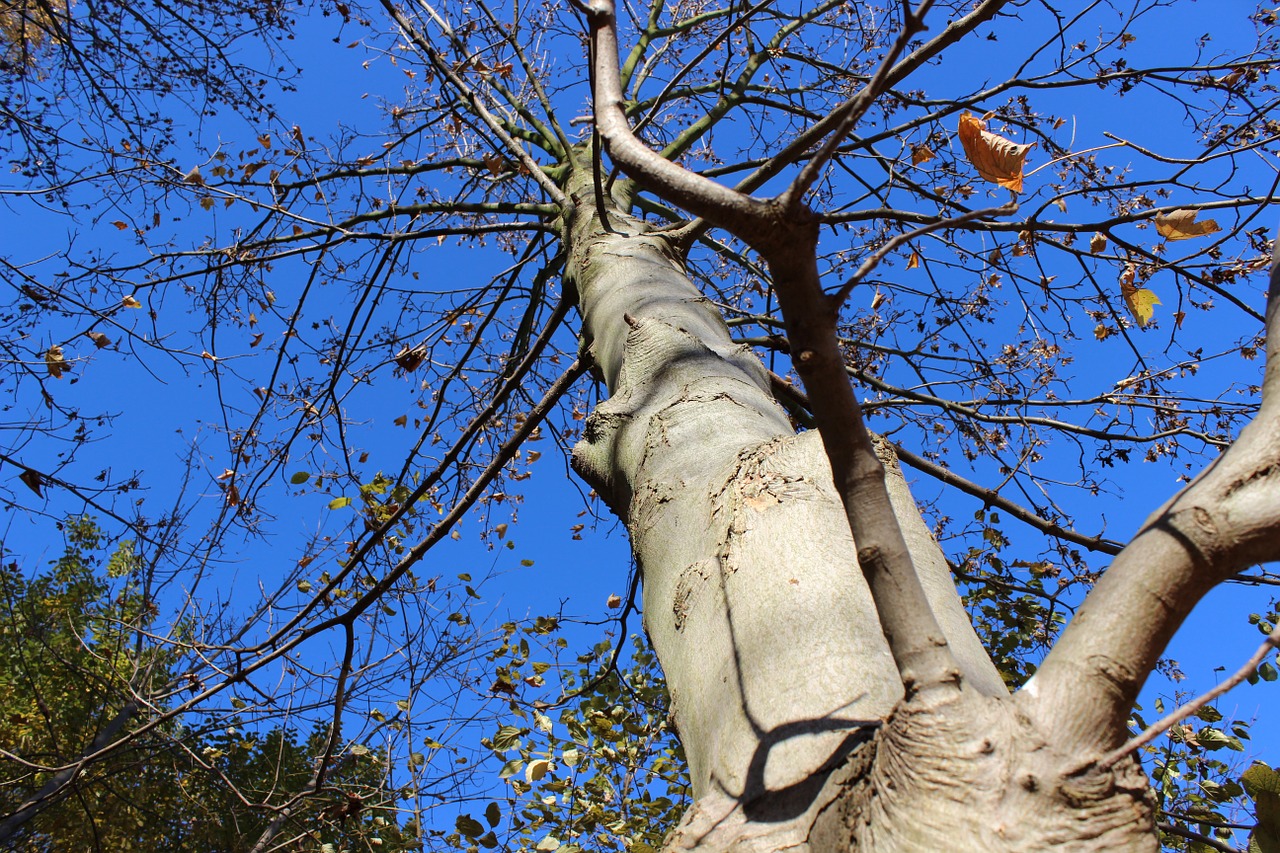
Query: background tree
(1015,353)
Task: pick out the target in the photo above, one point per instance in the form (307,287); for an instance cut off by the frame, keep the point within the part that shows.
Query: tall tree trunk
(780,675)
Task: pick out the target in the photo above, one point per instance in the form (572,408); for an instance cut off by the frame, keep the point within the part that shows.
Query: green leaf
(469,826)
(508,737)
(304,585)
(299,478)
(1211,739)
(1267,671)
(493,814)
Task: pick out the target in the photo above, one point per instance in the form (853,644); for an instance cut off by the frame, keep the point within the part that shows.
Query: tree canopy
(385,266)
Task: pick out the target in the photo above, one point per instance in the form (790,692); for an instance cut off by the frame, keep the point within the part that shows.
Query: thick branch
(788,240)
(1224,520)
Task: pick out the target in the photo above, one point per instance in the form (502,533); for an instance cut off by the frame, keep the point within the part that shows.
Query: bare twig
(1155,729)
(894,242)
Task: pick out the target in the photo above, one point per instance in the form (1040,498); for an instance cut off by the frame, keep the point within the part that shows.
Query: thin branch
(852,110)
(475,103)
(894,242)
(1198,838)
(1169,721)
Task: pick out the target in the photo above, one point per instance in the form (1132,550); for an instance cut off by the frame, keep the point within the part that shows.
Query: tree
(826,693)
(76,679)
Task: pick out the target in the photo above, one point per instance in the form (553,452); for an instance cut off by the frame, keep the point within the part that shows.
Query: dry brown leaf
(913,261)
(410,360)
(1097,242)
(921,154)
(997,159)
(99,340)
(32,480)
(55,363)
(1182,225)
(130,302)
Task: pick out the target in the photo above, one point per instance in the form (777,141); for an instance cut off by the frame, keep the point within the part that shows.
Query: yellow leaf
(997,159)
(1182,225)
(1140,301)
(130,302)
(1142,305)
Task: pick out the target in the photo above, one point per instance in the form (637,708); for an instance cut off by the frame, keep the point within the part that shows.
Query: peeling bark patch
(1261,474)
(692,579)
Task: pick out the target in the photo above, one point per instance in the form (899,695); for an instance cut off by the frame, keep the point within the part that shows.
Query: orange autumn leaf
(913,261)
(921,154)
(997,159)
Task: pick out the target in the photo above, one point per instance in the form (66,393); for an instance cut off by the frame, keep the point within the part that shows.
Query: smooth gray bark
(752,595)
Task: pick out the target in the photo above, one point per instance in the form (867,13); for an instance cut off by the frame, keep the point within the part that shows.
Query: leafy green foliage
(75,656)
(600,770)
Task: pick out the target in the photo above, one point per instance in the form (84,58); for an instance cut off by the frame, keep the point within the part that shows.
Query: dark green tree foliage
(77,662)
